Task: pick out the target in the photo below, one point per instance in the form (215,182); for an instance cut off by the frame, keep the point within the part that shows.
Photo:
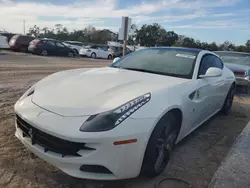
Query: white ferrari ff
(119,121)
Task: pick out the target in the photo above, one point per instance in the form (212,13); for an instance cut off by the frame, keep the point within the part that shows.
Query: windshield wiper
(142,70)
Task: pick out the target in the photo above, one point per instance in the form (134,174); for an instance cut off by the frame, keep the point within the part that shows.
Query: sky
(205,20)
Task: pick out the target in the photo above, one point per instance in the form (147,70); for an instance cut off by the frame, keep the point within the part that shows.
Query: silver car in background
(239,63)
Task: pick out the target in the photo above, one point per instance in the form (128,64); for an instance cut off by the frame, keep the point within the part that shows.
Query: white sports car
(96,51)
(118,121)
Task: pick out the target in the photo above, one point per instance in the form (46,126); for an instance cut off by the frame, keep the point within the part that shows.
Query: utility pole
(24,27)
(123,32)
(125,36)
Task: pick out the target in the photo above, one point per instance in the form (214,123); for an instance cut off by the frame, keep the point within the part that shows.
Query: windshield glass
(236,58)
(165,61)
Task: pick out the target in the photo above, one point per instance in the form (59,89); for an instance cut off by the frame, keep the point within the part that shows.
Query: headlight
(29,92)
(108,120)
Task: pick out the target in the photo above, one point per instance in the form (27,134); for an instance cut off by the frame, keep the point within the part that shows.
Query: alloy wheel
(44,53)
(164,146)
(230,98)
(93,55)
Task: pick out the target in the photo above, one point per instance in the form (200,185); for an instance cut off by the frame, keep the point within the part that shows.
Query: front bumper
(84,53)
(123,161)
(242,81)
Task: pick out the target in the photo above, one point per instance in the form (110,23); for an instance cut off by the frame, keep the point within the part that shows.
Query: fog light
(95,169)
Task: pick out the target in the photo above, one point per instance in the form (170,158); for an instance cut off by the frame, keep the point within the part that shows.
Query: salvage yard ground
(195,159)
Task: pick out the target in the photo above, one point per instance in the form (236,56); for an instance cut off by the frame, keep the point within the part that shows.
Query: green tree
(34,31)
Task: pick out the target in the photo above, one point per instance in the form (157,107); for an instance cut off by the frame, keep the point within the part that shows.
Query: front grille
(49,142)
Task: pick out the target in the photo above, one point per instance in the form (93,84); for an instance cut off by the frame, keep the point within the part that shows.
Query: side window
(105,48)
(206,62)
(59,44)
(78,44)
(51,43)
(218,62)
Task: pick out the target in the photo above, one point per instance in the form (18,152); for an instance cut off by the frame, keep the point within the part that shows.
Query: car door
(102,53)
(207,93)
(50,46)
(61,50)
(222,83)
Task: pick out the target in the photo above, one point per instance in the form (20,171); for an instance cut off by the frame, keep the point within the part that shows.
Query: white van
(4,42)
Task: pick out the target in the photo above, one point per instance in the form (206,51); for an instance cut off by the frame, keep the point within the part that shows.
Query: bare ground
(195,159)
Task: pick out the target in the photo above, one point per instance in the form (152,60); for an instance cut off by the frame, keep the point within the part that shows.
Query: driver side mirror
(116,59)
(212,72)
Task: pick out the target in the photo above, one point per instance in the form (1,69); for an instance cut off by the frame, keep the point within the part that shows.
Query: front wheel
(228,101)
(160,145)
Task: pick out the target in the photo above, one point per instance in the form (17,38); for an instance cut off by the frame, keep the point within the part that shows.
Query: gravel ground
(195,159)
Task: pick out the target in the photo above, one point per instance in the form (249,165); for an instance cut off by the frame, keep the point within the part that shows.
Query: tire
(76,51)
(109,56)
(160,145)
(93,55)
(44,53)
(226,108)
(70,54)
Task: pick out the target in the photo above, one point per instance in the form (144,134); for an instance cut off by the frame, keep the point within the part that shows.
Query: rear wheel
(44,53)
(93,55)
(228,101)
(109,56)
(160,145)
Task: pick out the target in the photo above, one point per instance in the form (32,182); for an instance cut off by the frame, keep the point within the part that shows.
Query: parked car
(239,63)
(118,121)
(117,51)
(8,35)
(96,51)
(46,47)
(20,42)
(4,42)
(75,45)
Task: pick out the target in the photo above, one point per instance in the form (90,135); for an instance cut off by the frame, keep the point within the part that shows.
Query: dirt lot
(195,159)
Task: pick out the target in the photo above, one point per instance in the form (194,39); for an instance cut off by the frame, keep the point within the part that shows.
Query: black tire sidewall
(94,55)
(76,51)
(225,109)
(150,153)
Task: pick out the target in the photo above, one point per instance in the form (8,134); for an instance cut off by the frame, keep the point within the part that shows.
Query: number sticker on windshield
(185,56)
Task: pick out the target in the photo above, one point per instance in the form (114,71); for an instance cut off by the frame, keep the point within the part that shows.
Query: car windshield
(236,58)
(164,61)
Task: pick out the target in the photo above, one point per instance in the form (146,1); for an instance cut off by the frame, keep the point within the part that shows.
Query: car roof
(197,50)
(54,40)
(233,52)
(73,41)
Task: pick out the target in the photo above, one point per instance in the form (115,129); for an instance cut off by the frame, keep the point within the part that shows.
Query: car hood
(237,67)
(82,92)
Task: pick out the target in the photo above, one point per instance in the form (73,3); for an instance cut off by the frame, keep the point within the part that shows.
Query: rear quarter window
(25,39)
